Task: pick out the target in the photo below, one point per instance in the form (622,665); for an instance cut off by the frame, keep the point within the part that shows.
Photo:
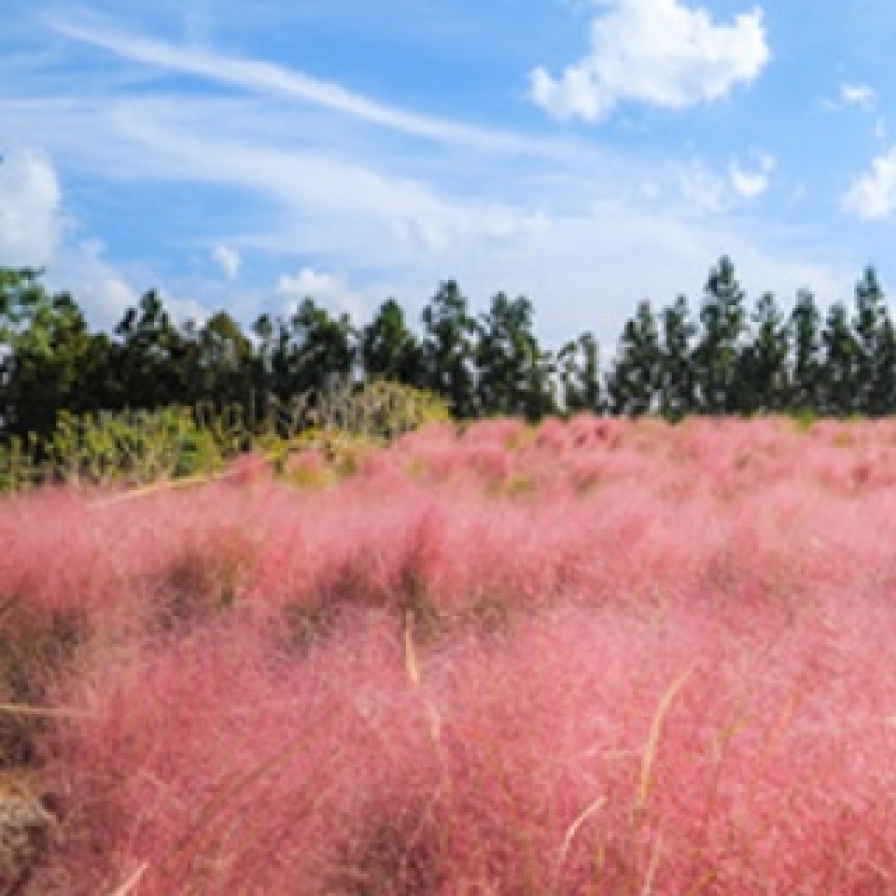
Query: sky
(588,154)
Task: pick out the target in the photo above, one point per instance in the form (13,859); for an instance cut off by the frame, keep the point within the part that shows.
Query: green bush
(378,410)
(134,448)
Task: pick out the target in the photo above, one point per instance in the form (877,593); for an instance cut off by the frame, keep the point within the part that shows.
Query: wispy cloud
(351,200)
(271,79)
(367,233)
(655,51)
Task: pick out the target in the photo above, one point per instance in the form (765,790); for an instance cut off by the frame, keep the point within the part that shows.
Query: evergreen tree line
(722,358)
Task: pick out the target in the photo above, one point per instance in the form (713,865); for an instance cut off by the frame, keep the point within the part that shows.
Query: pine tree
(677,385)
(882,399)
(716,355)
(389,349)
(45,349)
(634,381)
(150,357)
(870,311)
(219,362)
(840,378)
(514,375)
(449,349)
(762,381)
(579,370)
(807,372)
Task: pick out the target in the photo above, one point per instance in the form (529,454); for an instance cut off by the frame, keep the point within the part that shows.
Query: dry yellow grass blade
(645,782)
(21,709)
(577,824)
(166,486)
(410,652)
(130,884)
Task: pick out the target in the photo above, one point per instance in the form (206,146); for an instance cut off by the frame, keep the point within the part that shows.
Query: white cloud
(330,290)
(701,190)
(275,80)
(31,222)
(569,238)
(307,283)
(698,190)
(184,308)
(101,291)
(873,195)
(860,95)
(396,217)
(229,260)
(751,184)
(35,232)
(857,95)
(655,51)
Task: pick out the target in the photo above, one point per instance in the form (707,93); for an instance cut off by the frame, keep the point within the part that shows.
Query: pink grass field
(596,657)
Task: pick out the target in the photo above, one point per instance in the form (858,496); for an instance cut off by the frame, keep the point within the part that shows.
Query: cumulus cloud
(748,184)
(101,291)
(228,260)
(36,232)
(873,195)
(654,51)
(30,210)
(395,219)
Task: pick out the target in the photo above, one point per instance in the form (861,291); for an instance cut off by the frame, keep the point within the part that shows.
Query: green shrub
(134,448)
(378,409)
(19,467)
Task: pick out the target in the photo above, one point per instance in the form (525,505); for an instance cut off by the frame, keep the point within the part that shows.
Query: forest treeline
(721,356)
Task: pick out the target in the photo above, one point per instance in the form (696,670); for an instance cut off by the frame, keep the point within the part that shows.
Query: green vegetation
(154,399)
(136,448)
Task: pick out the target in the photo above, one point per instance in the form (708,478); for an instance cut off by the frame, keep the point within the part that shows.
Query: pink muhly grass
(220,768)
(675,680)
(589,430)
(249,468)
(594,749)
(505,433)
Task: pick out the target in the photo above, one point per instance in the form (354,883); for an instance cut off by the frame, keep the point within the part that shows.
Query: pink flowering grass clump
(594,657)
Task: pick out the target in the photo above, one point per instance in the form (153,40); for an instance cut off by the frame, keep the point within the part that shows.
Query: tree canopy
(729,359)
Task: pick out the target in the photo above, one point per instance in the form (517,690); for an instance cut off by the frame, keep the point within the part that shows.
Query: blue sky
(586,154)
